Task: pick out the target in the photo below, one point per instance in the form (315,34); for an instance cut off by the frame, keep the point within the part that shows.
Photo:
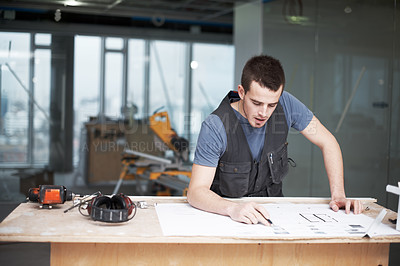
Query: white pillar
(247,34)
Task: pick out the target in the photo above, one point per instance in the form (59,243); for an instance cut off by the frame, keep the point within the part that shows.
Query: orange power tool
(48,195)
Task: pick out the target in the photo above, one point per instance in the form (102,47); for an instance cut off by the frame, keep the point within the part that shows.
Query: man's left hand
(347,204)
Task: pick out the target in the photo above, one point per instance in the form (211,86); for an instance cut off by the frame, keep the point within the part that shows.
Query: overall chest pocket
(278,163)
(234,178)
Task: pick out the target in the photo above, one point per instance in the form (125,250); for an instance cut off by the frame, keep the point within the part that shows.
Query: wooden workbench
(78,240)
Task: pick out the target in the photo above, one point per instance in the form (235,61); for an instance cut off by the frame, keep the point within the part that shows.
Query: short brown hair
(265,70)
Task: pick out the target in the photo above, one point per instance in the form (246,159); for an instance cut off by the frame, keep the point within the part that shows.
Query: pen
(269,220)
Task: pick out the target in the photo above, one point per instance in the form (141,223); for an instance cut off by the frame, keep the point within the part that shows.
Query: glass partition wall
(113,77)
(342,60)
(25,62)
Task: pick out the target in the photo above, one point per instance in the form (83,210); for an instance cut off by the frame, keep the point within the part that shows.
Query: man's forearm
(320,136)
(207,200)
(248,212)
(334,167)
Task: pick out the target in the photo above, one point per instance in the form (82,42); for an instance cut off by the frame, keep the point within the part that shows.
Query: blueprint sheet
(290,220)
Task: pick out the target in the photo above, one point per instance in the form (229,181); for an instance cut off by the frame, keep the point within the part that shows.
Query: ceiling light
(347,10)
(72,3)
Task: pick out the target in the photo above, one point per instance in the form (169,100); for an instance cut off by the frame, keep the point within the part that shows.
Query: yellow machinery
(154,174)
(161,126)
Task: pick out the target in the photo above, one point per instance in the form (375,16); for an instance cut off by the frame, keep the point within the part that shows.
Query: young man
(242,148)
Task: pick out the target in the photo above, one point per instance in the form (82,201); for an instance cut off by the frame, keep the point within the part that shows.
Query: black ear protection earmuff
(115,209)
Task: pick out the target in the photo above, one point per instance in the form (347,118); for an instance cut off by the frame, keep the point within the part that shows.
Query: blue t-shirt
(212,140)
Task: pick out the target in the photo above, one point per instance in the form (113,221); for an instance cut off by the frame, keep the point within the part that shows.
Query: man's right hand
(249,213)
(201,197)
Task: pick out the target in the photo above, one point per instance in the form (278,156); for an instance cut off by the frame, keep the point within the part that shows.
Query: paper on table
(290,220)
